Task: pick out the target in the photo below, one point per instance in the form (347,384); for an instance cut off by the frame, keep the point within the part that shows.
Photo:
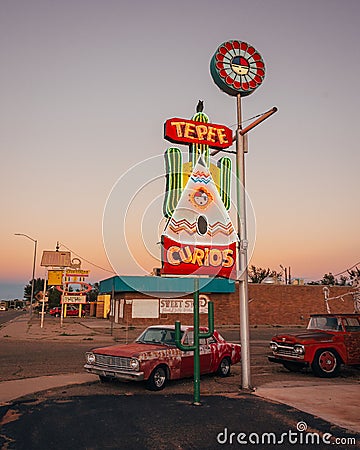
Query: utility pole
(33,271)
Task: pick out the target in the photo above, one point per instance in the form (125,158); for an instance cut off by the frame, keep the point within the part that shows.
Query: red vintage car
(154,357)
(70,311)
(329,341)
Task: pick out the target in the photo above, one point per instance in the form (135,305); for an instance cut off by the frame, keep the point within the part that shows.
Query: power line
(246,120)
(84,259)
(347,270)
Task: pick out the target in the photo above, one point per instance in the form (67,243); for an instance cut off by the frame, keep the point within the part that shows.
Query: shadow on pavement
(163,422)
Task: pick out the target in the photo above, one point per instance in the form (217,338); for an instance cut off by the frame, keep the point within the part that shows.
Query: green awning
(153,285)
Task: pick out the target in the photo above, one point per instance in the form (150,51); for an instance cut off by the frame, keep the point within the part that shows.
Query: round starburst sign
(237,68)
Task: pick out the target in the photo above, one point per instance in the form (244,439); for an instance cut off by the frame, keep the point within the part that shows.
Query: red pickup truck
(329,341)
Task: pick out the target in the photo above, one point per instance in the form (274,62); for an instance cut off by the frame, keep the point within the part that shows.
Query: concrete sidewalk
(71,329)
(11,390)
(337,403)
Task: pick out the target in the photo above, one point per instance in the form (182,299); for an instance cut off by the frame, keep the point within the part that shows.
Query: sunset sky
(86,86)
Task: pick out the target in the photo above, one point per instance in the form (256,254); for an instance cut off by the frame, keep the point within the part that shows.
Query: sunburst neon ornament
(237,68)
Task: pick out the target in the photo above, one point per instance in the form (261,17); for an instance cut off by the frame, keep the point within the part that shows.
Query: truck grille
(112,362)
(286,350)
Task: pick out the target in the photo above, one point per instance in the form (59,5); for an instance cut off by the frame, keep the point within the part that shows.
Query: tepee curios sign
(199,238)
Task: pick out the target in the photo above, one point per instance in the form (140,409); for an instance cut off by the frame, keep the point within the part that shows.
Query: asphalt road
(10,314)
(163,422)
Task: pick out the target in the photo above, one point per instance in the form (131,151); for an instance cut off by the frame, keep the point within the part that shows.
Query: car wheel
(224,368)
(57,315)
(292,367)
(157,379)
(326,364)
(104,379)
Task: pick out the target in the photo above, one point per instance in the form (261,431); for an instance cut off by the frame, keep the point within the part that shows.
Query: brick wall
(292,305)
(268,305)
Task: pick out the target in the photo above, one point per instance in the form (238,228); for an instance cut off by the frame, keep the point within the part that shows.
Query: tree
(257,274)
(53,294)
(328,279)
(92,295)
(38,286)
(354,274)
(342,280)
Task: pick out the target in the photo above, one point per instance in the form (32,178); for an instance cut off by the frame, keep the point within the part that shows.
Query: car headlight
(134,364)
(299,349)
(273,346)
(90,358)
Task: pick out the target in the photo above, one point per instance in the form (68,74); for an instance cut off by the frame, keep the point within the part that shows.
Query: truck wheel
(224,368)
(326,364)
(104,379)
(292,367)
(157,379)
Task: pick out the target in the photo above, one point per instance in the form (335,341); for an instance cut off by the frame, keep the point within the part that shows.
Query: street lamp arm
(22,234)
(259,120)
(250,127)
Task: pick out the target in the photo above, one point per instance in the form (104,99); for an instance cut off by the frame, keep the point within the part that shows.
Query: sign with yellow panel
(55,277)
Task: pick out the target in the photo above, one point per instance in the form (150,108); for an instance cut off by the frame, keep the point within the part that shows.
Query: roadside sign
(74,298)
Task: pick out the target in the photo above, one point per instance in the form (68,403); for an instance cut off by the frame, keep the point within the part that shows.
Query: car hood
(304,336)
(133,350)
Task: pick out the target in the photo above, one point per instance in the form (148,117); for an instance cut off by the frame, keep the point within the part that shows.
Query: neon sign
(197,259)
(199,238)
(186,131)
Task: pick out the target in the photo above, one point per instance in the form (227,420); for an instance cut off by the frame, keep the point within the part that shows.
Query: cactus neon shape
(197,336)
(177,172)
(197,150)
(174,180)
(224,165)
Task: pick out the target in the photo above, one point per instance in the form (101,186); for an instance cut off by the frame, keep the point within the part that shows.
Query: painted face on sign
(240,65)
(201,198)
(237,68)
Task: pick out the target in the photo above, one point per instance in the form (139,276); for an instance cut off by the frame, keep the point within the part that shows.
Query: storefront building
(146,300)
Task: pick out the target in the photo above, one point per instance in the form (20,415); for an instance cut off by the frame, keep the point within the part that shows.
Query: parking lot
(55,353)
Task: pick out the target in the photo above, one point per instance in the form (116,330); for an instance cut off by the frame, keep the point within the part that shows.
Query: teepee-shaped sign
(200,238)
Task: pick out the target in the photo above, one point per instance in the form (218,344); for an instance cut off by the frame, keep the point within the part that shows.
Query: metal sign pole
(243,262)
(196,344)
(237,68)
(43,301)
(195,347)
(62,298)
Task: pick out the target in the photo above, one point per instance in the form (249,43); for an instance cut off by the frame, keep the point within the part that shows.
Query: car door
(187,358)
(205,356)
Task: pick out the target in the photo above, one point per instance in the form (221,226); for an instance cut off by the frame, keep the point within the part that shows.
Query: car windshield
(324,323)
(158,336)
